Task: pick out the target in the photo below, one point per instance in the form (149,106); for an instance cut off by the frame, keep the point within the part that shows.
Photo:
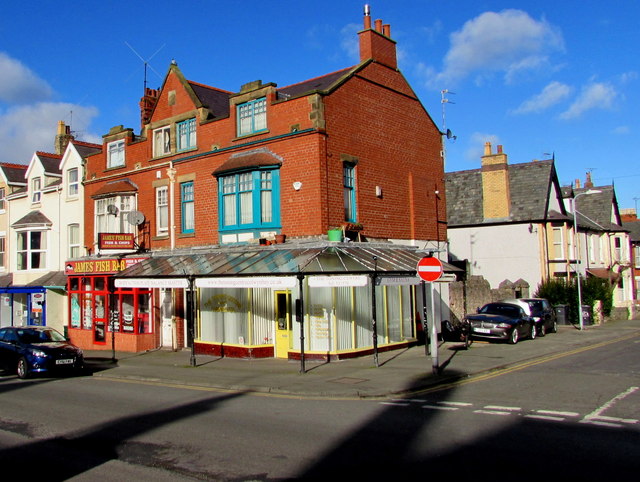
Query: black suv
(543,314)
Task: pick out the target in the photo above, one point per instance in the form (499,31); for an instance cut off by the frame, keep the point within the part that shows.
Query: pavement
(398,373)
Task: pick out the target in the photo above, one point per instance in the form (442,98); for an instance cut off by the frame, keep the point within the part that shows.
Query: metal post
(374,322)
(191,309)
(434,335)
(425,324)
(300,319)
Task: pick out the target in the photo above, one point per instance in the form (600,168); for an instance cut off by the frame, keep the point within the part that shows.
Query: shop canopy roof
(282,261)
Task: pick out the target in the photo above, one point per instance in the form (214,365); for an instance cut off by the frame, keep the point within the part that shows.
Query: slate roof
(634,230)
(14,173)
(33,218)
(50,162)
(216,100)
(317,84)
(530,183)
(85,149)
(599,208)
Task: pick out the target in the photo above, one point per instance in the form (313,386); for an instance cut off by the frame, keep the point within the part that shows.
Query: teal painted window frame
(187,198)
(349,183)
(186,135)
(252,117)
(254,190)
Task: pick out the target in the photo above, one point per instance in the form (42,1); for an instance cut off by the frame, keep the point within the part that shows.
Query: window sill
(161,237)
(251,134)
(187,235)
(187,149)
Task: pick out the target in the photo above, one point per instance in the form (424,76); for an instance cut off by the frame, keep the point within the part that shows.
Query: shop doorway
(166,309)
(283,323)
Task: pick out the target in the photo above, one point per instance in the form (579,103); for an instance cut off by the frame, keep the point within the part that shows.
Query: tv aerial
(146,63)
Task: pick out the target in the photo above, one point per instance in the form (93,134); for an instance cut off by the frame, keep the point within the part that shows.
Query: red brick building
(215,172)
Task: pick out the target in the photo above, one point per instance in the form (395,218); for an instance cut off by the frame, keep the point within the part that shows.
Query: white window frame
(36,190)
(186,135)
(3,201)
(162,210)
(29,251)
(3,251)
(73,185)
(73,240)
(104,222)
(558,244)
(162,141)
(115,154)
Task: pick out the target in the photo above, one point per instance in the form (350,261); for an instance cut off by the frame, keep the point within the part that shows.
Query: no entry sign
(430,269)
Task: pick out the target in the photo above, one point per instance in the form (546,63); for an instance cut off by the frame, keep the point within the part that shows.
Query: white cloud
(550,95)
(476,145)
(508,42)
(597,95)
(18,84)
(621,130)
(30,128)
(350,43)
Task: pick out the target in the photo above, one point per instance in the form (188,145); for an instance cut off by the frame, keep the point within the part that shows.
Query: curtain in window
(245,186)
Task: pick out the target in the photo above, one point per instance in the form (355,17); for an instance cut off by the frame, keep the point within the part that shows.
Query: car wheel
(533,332)
(543,330)
(22,370)
(554,327)
(513,338)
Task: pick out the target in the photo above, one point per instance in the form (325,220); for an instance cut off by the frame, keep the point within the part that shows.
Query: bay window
(31,250)
(111,214)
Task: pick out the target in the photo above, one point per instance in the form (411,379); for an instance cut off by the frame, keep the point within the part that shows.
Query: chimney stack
(577,183)
(63,137)
(147,104)
(496,193)
(588,184)
(376,44)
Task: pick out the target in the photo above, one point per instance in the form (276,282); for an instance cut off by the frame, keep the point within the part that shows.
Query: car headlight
(537,318)
(503,325)
(39,353)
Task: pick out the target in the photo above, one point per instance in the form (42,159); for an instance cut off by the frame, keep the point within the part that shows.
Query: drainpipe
(171,172)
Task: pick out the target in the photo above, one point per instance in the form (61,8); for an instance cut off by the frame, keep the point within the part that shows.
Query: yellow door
(283,323)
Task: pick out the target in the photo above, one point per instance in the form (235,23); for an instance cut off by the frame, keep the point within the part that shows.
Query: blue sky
(539,77)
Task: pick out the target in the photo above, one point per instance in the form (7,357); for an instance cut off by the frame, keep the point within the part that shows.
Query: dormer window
(115,154)
(252,117)
(36,190)
(186,137)
(162,141)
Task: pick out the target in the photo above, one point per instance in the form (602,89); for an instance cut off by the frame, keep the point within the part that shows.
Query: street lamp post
(575,227)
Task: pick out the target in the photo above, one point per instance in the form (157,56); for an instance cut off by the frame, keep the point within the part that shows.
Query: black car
(502,321)
(543,314)
(28,350)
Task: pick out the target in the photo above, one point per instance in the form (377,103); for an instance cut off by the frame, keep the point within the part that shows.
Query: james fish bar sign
(100,266)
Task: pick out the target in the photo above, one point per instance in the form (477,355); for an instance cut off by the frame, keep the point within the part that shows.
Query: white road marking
(555,413)
(457,404)
(440,407)
(492,412)
(498,407)
(597,417)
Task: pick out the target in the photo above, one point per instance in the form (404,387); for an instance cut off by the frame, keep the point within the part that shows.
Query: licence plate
(65,361)
(482,330)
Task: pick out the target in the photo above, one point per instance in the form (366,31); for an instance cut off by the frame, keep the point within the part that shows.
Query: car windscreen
(536,306)
(509,311)
(39,336)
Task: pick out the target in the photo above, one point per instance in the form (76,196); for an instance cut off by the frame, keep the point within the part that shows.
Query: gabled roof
(86,149)
(599,207)
(318,84)
(13,174)
(216,100)
(531,186)
(50,163)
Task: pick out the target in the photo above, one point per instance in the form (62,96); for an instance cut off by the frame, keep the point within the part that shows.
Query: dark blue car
(27,350)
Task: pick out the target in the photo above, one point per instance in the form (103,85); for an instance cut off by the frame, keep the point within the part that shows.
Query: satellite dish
(135,217)
(112,209)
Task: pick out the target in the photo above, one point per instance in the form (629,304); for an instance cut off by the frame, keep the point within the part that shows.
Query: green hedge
(562,292)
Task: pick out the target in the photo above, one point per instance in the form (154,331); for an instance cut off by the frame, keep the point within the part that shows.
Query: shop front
(103,316)
(316,301)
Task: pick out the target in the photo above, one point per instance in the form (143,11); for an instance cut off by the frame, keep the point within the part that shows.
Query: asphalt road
(575,417)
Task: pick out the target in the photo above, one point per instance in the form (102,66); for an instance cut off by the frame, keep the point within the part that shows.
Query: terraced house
(271,221)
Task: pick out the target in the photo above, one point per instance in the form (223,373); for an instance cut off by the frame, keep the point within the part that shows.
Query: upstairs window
(250,200)
(32,250)
(2,199)
(162,141)
(187,207)
(111,214)
(162,210)
(186,135)
(2,251)
(73,240)
(349,188)
(558,243)
(252,117)
(36,190)
(115,154)
(73,184)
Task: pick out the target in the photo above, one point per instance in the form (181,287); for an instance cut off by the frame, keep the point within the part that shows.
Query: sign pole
(434,335)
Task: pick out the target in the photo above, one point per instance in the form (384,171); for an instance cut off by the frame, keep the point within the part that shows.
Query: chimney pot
(487,148)
(386,30)
(499,149)
(378,24)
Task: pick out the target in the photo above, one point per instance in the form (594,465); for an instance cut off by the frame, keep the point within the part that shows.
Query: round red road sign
(430,269)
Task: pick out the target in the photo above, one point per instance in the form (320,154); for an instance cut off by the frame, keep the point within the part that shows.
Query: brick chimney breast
(376,44)
(496,194)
